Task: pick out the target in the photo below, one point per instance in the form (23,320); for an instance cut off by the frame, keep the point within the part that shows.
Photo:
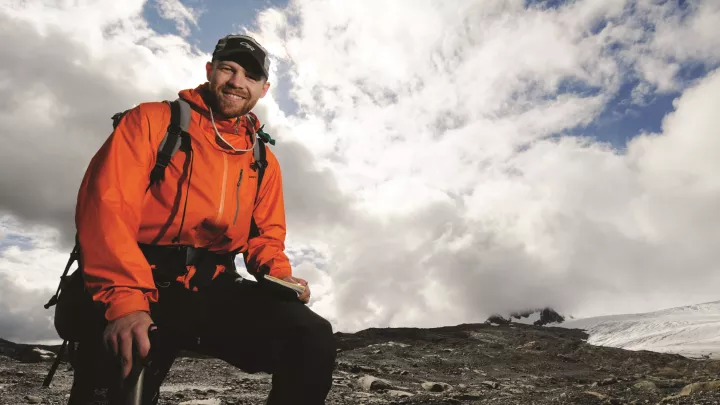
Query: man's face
(235,91)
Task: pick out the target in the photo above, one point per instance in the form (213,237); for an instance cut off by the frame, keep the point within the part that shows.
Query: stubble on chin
(230,109)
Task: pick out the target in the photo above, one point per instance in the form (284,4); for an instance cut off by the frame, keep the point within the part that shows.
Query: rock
(213,401)
(668,372)
(528,346)
(436,386)
(491,384)
(595,394)
(700,387)
(469,396)
(548,315)
(498,320)
(35,355)
(355,368)
(390,344)
(399,394)
(608,381)
(370,383)
(660,383)
(647,386)
(566,358)
(31,399)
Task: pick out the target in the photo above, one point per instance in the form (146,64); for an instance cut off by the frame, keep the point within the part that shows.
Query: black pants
(237,320)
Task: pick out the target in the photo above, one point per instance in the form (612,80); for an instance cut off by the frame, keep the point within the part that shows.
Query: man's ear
(208,70)
(265,89)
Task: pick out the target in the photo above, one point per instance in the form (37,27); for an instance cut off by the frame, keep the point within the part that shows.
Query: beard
(230,102)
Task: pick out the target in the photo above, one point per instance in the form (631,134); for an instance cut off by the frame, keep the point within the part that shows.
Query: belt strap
(171,261)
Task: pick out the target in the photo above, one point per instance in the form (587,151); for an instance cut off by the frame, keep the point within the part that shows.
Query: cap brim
(244,59)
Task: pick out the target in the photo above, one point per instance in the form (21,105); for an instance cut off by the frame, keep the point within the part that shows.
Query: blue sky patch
(223,18)
(12,239)
(624,119)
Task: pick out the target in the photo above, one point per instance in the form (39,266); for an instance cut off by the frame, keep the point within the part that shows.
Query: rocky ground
(465,364)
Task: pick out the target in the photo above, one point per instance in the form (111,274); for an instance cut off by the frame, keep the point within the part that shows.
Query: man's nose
(237,80)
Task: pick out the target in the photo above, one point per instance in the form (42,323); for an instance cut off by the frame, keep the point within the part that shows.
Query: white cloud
(63,83)
(426,178)
(30,270)
(34,262)
(179,13)
(437,120)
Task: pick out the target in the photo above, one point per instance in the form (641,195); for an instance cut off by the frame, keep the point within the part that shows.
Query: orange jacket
(114,211)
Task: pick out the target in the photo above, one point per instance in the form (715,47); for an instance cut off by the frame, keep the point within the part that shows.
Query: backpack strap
(260,164)
(170,144)
(179,123)
(259,153)
(74,256)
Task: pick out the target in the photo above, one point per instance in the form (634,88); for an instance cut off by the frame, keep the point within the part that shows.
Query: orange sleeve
(108,219)
(267,248)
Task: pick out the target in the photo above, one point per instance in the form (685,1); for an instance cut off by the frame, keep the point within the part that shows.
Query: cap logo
(248,46)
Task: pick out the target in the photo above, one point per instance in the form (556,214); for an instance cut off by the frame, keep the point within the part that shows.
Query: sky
(442,161)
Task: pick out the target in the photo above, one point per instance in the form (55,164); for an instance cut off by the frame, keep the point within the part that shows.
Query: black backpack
(176,134)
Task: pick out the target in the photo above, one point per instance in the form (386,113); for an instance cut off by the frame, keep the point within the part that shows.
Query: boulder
(491,384)
(646,386)
(399,394)
(32,399)
(436,386)
(213,401)
(700,387)
(370,383)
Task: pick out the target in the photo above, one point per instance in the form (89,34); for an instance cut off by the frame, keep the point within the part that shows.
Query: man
(162,254)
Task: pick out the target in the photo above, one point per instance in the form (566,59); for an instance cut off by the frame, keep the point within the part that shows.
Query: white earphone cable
(253,140)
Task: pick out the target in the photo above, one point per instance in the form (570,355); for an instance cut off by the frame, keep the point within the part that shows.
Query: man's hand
(304,297)
(121,333)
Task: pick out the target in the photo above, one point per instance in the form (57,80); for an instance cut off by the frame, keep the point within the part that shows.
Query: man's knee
(319,340)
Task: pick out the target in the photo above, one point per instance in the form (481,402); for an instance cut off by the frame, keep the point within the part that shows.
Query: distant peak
(537,317)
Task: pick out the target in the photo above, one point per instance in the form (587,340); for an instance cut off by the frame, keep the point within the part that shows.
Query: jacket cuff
(125,303)
(281,272)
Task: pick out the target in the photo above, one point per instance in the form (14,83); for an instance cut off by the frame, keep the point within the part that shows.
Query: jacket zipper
(237,196)
(224,186)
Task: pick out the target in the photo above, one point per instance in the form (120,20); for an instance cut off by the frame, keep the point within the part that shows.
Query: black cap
(237,47)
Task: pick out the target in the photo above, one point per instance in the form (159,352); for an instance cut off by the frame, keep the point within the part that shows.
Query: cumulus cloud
(182,15)
(427,175)
(22,316)
(445,124)
(62,83)
(30,269)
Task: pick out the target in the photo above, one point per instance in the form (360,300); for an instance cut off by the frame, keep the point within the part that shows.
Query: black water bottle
(134,392)
(133,386)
